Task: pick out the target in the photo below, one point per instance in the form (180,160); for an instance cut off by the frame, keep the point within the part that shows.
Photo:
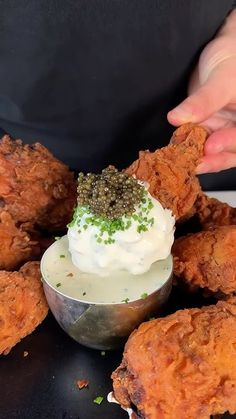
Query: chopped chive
(98,400)
(128,225)
(144,295)
(141,228)
(58,285)
(150,204)
(62,256)
(84,293)
(126,300)
(106,228)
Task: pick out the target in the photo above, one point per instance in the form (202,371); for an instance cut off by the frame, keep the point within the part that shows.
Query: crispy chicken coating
(181,366)
(37,192)
(22,304)
(35,187)
(212,212)
(207,259)
(170,171)
(16,243)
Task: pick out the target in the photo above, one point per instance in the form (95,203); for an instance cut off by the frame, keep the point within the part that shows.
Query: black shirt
(93,80)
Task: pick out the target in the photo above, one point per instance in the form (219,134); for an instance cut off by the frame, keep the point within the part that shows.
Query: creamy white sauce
(59,271)
(112,399)
(132,251)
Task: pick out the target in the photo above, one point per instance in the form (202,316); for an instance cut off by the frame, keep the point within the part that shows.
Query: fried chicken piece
(207,259)
(16,243)
(170,171)
(22,304)
(211,212)
(181,366)
(34,186)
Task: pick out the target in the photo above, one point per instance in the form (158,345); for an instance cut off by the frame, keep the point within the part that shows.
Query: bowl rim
(92,303)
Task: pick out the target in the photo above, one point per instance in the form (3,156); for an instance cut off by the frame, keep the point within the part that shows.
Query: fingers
(216,89)
(220,151)
(216,162)
(199,106)
(222,140)
(220,120)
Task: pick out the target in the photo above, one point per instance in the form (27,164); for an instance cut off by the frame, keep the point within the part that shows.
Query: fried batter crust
(22,304)
(212,212)
(16,244)
(181,366)
(170,171)
(34,186)
(207,259)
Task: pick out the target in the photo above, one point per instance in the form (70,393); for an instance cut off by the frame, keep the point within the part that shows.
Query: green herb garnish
(62,256)
(58,285)
(125,301)
(84,293)
(83,218)
(98,400)
(144,295)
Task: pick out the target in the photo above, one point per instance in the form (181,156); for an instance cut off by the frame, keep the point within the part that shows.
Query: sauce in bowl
(120,287)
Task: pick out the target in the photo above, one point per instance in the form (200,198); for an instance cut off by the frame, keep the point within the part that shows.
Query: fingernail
(202,168)
(181,113)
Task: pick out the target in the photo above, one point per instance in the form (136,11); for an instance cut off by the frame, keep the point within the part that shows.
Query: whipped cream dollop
(133,244)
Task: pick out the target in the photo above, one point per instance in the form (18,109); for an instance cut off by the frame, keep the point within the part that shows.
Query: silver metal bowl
(103,326)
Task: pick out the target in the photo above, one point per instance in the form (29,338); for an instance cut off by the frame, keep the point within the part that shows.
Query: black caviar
(110,194)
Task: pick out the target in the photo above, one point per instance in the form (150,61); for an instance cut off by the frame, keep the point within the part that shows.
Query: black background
(93,80)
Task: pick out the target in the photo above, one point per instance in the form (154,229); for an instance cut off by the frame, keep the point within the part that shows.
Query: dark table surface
(43,384)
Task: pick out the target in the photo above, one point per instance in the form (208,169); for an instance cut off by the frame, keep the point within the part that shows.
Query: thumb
(212,96)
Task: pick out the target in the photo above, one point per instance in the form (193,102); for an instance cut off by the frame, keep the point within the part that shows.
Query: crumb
(98,400)
(82,384)
(26,353)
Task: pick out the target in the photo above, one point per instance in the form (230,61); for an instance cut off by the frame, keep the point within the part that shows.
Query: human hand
(212,99)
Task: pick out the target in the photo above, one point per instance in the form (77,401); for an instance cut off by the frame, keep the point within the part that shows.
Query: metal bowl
(103,326)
